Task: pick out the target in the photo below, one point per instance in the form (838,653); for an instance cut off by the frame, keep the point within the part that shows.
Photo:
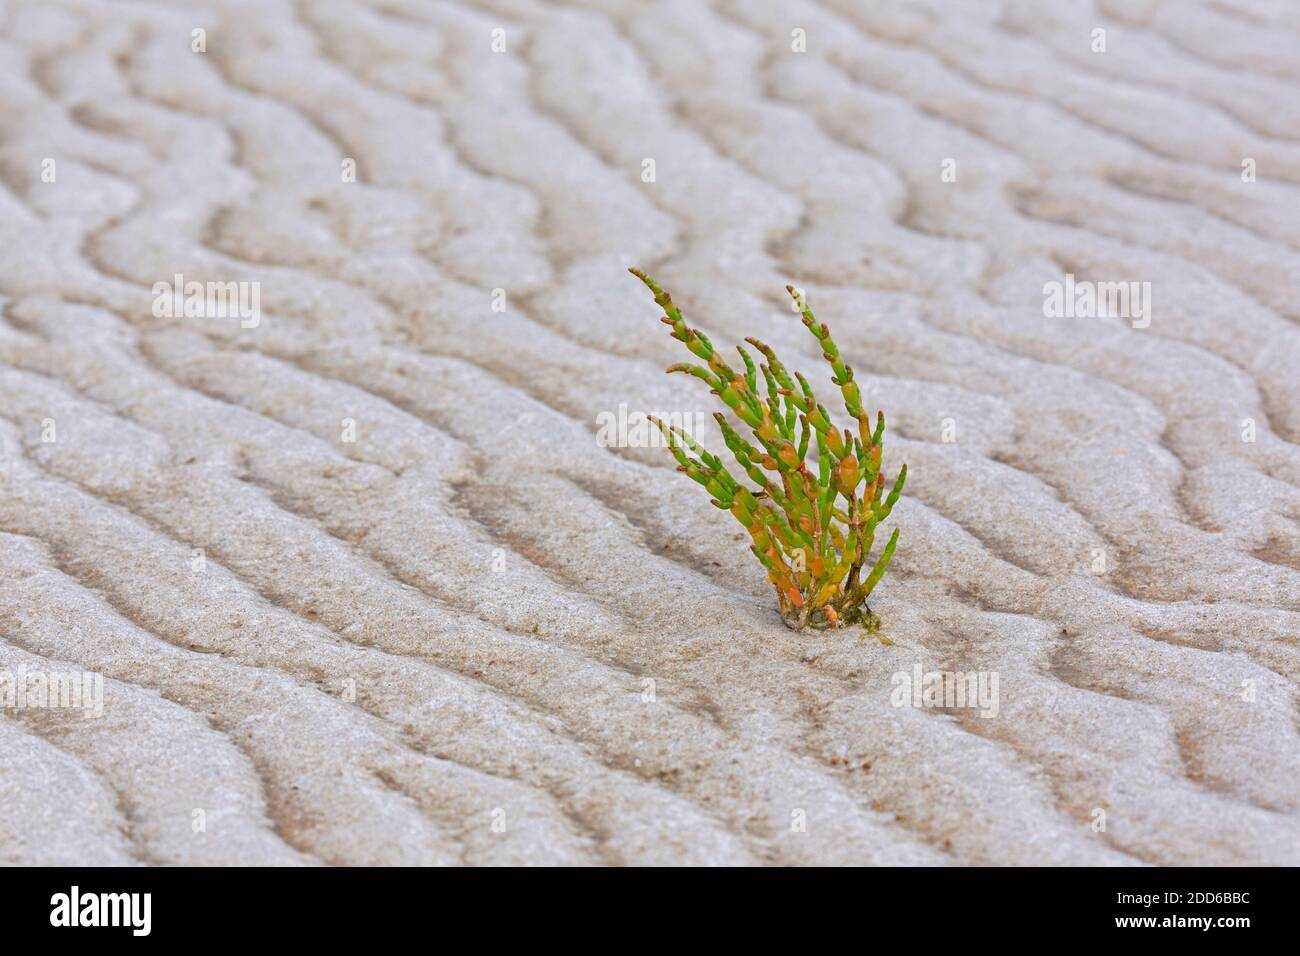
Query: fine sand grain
(472,634)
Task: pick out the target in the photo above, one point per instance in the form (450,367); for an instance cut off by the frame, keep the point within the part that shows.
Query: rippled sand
(474,635)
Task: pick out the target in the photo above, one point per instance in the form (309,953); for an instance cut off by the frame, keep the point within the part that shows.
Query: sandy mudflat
(474,635)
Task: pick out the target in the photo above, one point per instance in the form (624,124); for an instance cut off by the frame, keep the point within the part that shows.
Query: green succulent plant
(812,531)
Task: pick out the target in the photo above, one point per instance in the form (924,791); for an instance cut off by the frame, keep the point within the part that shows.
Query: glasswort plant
(813,532)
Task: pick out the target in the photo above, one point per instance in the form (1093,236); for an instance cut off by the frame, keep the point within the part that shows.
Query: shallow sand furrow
(1087,98)
(104,637)
(169,770)
(55,812)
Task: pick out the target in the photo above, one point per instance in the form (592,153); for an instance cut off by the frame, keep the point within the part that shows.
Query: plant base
(818,621)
